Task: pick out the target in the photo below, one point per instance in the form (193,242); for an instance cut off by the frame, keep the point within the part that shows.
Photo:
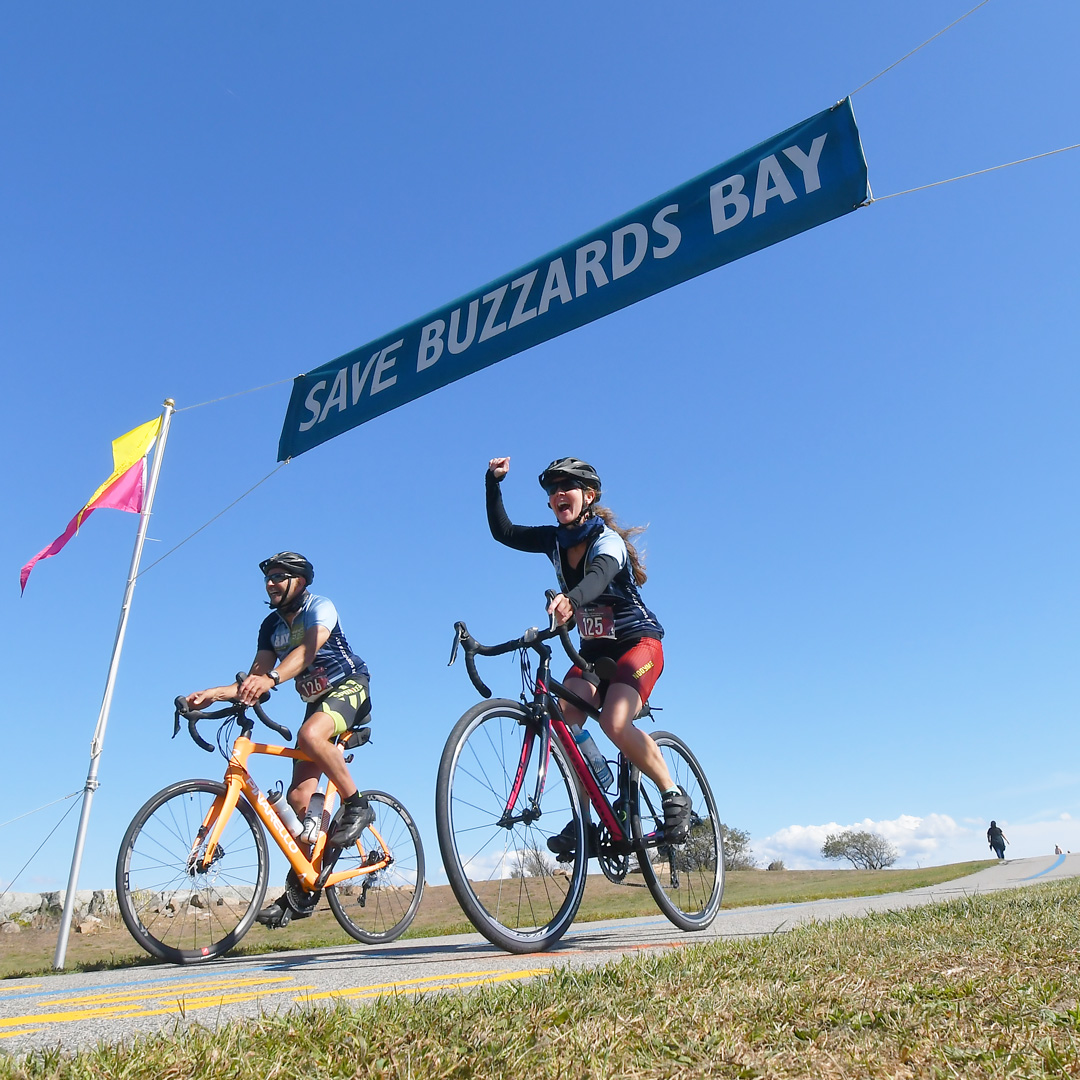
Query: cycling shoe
(676,807)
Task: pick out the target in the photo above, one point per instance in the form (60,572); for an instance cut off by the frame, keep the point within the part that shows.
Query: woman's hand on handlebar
(499,467)
(561,608)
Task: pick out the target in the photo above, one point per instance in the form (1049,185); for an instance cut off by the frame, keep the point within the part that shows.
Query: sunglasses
(565,484)
(278,578)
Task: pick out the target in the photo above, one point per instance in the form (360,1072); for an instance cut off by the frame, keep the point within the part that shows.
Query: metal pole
(110,682)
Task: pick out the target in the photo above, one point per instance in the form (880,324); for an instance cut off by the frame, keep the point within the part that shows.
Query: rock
(51,907)
(102,904)
(90,925)
(10,927)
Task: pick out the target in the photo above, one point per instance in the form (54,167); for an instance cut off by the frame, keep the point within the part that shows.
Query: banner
(807,175)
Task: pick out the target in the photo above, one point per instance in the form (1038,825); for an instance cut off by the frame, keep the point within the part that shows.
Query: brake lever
(180,708)
(459,629)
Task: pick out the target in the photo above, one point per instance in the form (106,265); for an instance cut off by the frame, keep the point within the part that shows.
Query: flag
(122,491)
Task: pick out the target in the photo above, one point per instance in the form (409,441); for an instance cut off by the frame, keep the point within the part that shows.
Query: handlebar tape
(474,675)
(281,729)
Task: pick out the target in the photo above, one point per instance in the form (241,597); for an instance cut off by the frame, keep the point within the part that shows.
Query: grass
(987,986)
(30,952)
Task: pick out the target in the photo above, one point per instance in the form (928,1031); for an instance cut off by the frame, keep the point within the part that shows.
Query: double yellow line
(128,1004)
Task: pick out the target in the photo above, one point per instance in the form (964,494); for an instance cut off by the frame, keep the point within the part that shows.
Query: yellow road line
(24,1031)
(125,1011)
(442,982)
(20,988)
(118,996)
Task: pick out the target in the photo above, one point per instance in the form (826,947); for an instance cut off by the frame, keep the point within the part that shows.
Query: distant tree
(776,864)
(864,850)
(531,862)
(737,853)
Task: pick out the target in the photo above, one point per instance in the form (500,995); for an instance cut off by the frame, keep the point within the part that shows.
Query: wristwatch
(275,676)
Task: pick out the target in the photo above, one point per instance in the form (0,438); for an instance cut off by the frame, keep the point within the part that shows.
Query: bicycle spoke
(502,873)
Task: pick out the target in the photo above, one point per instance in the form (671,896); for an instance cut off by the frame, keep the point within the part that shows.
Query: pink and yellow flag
(122,491)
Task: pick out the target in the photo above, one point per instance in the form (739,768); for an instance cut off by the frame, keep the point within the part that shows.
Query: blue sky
(855,451)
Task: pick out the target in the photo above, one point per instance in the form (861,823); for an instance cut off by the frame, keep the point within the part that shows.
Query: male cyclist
(301,639)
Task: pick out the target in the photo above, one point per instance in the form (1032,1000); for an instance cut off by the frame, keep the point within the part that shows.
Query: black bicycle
(499,799)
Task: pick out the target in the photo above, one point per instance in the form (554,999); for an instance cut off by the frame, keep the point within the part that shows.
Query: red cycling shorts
(639,667)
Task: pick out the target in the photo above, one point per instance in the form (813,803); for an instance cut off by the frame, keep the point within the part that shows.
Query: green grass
(987,986)
(30,954)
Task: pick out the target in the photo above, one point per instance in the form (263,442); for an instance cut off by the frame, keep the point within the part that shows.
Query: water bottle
(285,812)
(591,752)
(313,819)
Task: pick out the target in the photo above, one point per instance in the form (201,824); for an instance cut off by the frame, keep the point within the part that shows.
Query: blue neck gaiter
(569,535)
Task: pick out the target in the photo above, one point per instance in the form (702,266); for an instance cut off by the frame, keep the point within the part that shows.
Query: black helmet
(581,471)
(291,561)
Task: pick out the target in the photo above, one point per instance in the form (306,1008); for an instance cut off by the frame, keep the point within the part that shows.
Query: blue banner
(807,175)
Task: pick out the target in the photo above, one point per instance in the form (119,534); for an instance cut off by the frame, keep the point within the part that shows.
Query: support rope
(239,393)
(41,845)
(978,172)
(28,813)
(917,48)
(214,518)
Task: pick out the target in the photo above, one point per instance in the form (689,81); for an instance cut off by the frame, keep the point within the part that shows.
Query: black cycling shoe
(276,915)
(563,843)
(280,913)
(349,822)
(676,806)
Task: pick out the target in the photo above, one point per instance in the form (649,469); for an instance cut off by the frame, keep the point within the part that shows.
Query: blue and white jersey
(333,663)
(618,612)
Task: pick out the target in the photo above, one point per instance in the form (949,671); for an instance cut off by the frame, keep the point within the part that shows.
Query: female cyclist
(599,572)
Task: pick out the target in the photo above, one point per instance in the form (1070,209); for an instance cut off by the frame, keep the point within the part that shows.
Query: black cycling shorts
(348,703)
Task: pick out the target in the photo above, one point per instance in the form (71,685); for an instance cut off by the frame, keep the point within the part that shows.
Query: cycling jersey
(608,608)
(333,662)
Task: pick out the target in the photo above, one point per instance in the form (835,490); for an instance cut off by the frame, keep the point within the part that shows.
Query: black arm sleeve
(598,576)
(535,538)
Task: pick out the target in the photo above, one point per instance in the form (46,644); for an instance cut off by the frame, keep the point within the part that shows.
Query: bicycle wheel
(497,861)
(686,880)
(174,912)
(378,907)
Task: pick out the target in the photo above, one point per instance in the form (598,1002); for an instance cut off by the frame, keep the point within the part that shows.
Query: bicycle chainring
(299,898)
(615,867)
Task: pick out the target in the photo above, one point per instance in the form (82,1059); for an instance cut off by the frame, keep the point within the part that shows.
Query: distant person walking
(996,839)
(1057,850)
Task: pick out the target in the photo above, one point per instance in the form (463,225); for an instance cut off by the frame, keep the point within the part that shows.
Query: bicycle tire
(686,880)
(502,875)
(174,914)
(388,898)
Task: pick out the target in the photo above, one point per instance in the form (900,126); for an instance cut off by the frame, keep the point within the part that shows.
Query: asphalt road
(76,1011)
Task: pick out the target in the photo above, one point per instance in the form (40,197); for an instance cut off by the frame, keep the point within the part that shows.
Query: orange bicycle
(193,866)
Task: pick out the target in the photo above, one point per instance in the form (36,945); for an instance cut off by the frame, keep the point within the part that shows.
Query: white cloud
(932,840)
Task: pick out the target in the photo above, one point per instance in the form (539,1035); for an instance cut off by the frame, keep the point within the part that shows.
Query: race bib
(313,685)
(596,621)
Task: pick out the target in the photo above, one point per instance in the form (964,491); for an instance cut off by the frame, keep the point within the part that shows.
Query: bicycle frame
(549,718)
(311,872)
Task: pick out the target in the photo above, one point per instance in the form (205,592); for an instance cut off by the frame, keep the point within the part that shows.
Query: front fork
(534,726)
